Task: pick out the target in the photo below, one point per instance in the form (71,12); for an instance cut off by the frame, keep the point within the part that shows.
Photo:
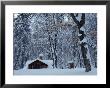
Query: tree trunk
(55,44)
(50,55)
(83,42)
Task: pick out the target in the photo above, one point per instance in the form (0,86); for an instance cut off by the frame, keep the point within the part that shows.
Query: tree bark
(83,44)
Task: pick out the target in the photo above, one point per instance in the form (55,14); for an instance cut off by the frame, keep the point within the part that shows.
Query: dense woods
(69,39)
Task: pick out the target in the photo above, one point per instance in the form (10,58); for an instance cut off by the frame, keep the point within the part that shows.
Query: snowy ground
(78,71)
(51,71)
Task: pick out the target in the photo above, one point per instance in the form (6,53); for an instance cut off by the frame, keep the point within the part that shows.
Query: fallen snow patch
(77,71)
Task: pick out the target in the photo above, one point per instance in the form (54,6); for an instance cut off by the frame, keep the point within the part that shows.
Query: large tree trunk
(83,41)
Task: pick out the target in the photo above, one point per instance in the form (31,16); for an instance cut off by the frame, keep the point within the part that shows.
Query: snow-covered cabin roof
(48,62)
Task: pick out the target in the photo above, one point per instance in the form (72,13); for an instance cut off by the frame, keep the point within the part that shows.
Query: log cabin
(37,64)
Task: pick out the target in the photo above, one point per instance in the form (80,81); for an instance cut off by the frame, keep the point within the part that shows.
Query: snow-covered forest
(67,39)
